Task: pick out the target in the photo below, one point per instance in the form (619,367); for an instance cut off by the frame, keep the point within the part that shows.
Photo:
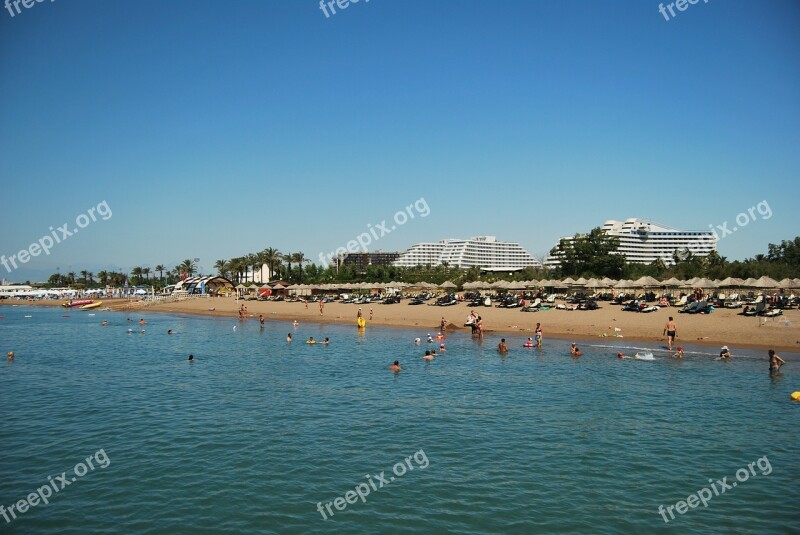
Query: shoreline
(723,327)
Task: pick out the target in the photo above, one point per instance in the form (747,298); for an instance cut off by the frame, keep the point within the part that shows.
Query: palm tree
(298,259)
(71,277)
(161,268)
(103,277)
(288,258)
(252,262)
(236,265)
(188,266)
(85,276)
(222,267)
(146,273)
(272,257)
(136,275)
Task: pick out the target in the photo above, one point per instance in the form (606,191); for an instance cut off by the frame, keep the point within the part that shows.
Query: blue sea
(261,436)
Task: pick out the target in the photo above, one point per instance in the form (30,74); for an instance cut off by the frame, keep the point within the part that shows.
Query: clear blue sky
(213,129)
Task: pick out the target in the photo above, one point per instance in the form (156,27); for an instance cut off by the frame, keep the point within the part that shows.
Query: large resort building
(484,252)
(644,242)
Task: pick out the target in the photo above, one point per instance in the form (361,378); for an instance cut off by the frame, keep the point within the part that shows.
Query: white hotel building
(643,242)
(484,252)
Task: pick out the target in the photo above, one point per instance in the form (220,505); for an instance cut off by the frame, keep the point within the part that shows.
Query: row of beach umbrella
(765,283)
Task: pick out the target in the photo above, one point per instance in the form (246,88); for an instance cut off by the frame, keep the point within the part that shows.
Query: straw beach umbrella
(766,282)
(704,284)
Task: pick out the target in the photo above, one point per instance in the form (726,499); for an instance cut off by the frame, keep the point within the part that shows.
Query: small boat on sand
(90,306)
(70,304)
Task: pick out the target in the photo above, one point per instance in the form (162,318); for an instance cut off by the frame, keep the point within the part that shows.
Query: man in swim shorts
(670,330)
(502,347)
(396,366)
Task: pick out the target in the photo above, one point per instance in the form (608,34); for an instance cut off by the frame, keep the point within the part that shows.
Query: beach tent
(672,282)
(593,283)
(447,285)
(730,282)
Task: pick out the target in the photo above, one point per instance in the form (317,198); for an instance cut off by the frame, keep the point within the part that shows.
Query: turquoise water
(256,432)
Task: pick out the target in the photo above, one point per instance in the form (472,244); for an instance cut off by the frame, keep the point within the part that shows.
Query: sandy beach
(722,327)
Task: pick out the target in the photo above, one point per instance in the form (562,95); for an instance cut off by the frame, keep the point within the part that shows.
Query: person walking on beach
(370,314)
(442,325)
(775,362)
(671,330)
(321,305)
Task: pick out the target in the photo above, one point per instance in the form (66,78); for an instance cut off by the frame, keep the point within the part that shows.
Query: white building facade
(479,251)
(644,242)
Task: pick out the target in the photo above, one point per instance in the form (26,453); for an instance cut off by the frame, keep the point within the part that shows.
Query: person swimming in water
(11,355)
(502,347)
(104,323)
(326,341)
(775,362)
(170,331)
(191,358)
(289,337)
(428,356)
(528,342)
(142,322)
(441,348)
(295,324)
(396,366)
(311,340)
(679,354)
(724,353)
(575,351)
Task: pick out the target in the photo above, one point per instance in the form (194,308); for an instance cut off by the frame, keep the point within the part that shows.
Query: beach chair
(680,302)
(759,309)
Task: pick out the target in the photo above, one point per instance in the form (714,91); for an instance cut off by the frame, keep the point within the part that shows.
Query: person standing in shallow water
(670,330)
(775,362)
